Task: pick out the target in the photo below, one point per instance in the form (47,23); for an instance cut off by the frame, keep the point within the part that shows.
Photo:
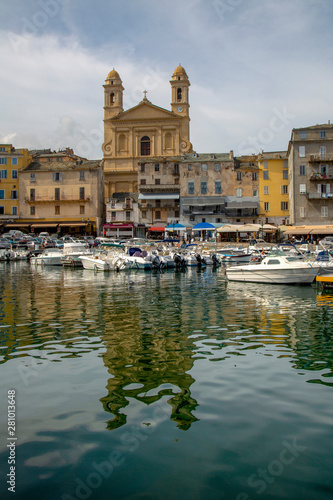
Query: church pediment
(145,110)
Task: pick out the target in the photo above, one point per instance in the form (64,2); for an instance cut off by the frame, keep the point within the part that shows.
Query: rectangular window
(204,167)
(81,193)
(128,216)
(57,210)
(323,169)
(301,151)
(265,164)
(57,194)
(157,203)
(302,188)
(189,166)
(2,210)
(266,206)
(284,205)
(239,176)
(266,176)
(285,164)
(57,176)
(284,174)
(14,174)
(255,192)
(2,149)
(13,194)
(143,182)
(303,135)
(239,192)
(176,169)
(157,167)
(284,189)
(190,188)
(302,212)
(32,194)
(218,187)
(143,168)
(144,214)
(81,175)
(113,216)
(3,174)
(265,189)
(158,214)
(14,161)
(203,187)
(254,176)
(32,210)
(157,181)
(322,151)
(3,161)
(14,210)
(302,170)
(82,209)
(2,194)
(322,134)
(217,167)
(32,177)
(324,211)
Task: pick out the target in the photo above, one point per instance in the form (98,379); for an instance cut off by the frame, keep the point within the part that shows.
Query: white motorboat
(72,252)
(107,257)
(276,268)
(49,257)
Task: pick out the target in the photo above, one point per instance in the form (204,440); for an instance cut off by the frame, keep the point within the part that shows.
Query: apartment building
(310,162)
(274,187)
(218,188)
(64,197)
(12,161)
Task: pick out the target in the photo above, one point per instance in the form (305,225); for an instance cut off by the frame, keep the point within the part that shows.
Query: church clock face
(179,109)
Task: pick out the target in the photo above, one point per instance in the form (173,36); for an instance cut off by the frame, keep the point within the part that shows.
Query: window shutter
(328,188)
(319,188)
(54,176)
(60,176)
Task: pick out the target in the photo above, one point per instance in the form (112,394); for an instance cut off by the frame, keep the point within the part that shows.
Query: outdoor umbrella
(175,227)
(203,226)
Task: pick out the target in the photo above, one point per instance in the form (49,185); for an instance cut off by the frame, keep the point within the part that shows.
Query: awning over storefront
(74,224)
(13,226)
(117,226)
(322,229)
(158,228)
(159,196)
(45,224)
(242,204)
(203,201)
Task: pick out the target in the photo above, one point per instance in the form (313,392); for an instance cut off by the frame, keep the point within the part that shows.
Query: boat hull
(304,276)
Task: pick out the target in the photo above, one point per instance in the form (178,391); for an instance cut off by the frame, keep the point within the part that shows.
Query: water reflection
(151,328)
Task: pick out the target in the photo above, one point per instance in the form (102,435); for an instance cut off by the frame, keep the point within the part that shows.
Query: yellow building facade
(142,131)
(274,195)
(12,161)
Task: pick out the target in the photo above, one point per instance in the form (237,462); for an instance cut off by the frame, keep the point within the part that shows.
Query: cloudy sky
(258,68)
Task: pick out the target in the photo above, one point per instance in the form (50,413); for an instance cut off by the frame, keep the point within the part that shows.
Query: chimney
(231,154)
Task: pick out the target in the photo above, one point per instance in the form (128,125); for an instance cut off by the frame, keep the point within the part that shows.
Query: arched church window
(179,94)
(112,98)
(145,146)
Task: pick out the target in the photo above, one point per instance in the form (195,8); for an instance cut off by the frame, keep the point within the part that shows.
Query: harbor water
(163,385)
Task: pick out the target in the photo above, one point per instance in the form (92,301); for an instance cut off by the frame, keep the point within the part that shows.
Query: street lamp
(85,222)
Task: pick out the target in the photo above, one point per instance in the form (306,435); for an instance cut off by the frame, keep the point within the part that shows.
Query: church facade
(143,131)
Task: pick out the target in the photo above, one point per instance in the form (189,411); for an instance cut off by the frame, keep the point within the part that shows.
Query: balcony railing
(320,158)
(147,188)
(320,177)
(319,196)
(48,200)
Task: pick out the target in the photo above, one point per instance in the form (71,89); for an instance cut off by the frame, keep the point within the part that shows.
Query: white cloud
(260,56)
